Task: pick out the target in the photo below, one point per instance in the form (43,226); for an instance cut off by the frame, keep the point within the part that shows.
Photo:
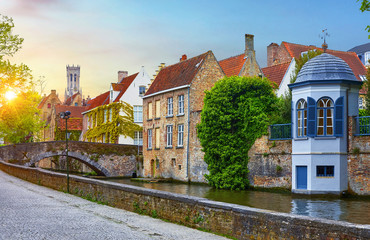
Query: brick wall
(237,221)
(277,54)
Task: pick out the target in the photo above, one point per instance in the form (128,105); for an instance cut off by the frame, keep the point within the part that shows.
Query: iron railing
(281,131)
(363,126)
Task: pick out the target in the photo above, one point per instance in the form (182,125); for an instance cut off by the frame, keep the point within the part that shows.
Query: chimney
(183,58)
(272,54)
(249,43)
(53,92)
(121,75)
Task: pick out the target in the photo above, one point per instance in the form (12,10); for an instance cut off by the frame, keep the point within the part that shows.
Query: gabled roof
(361,48)
(123,85)
(43,101)
(232,66)
(177,75)
(76,111)
(102,99)
(69,100)
(350,58)
(276,73)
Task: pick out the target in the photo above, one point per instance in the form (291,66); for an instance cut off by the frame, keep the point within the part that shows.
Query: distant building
(73,81)
(363,53)
(46,106)
(324,96)
(58,125)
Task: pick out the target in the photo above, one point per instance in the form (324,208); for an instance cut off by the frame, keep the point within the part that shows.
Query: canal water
(354,210)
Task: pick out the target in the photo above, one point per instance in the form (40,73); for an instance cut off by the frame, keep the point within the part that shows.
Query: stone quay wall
(237,221)
(270,163)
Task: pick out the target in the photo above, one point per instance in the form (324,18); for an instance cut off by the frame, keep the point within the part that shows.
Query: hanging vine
(119,121)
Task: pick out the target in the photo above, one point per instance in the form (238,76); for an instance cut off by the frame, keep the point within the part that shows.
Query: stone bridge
(105,159)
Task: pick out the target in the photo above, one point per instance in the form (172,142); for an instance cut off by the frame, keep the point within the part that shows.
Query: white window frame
(170,106)
(169,135)
(181,105)
(138,113)
(180,135)
(138,138)
(150,138)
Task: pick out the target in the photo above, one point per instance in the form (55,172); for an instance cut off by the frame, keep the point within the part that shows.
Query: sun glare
(10,95)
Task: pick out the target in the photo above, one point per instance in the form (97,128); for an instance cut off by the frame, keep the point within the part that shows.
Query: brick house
(281,63)
(171,111)
(46,106)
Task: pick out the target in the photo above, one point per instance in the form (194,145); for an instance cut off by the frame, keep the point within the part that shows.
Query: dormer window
(141,90)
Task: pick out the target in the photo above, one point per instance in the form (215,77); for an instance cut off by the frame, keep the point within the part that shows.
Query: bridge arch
(100,170)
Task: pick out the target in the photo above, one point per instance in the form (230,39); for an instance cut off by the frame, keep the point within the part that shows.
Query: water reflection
(350,210)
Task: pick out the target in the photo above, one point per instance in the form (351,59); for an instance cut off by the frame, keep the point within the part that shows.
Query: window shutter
(338,117)
(311,117)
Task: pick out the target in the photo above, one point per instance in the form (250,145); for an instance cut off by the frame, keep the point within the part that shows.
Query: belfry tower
(73,81)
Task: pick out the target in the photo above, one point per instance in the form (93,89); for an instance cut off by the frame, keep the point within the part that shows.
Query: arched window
(325,109)
(75,77)
(302,118)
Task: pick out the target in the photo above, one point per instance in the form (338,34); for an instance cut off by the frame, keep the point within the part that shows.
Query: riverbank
(233,220)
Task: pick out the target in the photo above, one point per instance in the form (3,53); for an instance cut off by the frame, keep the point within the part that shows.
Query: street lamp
(65,115)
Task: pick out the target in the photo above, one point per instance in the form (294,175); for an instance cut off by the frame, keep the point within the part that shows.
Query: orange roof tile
(177,75)
(123,85)
(43,101)
(276,73)
(350,58)
(102,99)
(76,111)
(73,124)
(232,66)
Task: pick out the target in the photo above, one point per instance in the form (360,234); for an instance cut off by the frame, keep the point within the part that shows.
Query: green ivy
(112,128)
(237,110)
(60,135)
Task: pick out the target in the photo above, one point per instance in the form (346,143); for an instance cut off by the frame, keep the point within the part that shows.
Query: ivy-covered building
(116,116)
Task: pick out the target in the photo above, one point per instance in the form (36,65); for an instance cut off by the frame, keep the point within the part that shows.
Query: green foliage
(120,124)
(362,112)
(236,112)
(60,135)
(284,104)
(19,121)
(365,6)
(367,96)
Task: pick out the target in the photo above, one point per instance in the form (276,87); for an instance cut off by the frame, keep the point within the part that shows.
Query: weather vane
(323,35)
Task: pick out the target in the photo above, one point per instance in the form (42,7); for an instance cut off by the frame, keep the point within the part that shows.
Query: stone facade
(184,162)
(46,106)
(240,222)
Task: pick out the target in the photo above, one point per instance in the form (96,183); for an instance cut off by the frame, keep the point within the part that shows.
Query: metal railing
(363,126)
(281,131)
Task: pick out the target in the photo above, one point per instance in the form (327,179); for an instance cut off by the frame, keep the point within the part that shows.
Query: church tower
(73,81)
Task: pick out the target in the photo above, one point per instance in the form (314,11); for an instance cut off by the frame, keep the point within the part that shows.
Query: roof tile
(176,75)
(232,66)
(276,73)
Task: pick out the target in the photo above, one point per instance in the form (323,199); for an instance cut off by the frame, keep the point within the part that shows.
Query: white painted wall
(132,97)
(283,88)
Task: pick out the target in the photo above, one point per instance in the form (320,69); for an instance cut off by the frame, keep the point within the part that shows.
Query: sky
(105,36)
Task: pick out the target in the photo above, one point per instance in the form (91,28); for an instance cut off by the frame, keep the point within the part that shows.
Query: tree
(367,96)
(18,119)
(236,112)
(365,6)
(285,101)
